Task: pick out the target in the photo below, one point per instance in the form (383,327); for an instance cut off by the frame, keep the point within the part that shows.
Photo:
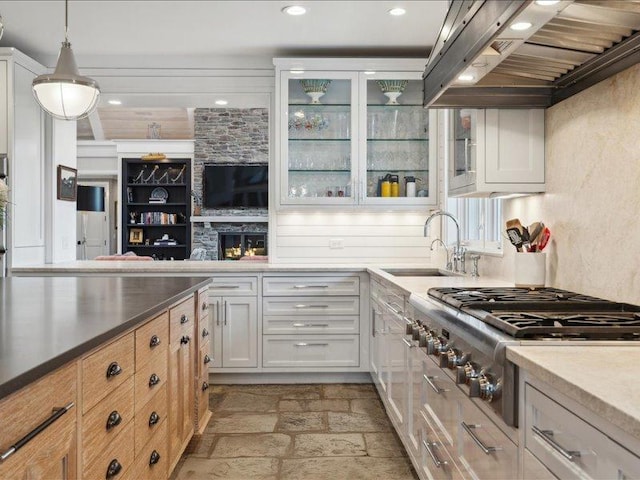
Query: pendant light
(66,94)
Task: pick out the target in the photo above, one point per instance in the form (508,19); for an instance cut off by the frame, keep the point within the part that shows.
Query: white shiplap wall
(366,237)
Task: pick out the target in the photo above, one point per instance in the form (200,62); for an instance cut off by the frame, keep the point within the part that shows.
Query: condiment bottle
(385,186)
(410,186)
(395,186)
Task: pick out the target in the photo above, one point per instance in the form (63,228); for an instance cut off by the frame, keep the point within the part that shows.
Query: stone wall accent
(227,135)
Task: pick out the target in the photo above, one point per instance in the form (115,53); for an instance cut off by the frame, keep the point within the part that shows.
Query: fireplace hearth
(235,245)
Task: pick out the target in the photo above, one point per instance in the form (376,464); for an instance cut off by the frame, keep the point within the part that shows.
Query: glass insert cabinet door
(463,140)
(398,159)
(318,129)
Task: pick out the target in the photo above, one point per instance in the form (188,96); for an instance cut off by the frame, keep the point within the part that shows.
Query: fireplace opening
(233,246)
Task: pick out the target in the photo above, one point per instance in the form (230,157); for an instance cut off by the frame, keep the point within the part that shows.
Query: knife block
(530,269)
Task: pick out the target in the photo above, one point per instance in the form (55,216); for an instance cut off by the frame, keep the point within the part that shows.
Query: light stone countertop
(600,378)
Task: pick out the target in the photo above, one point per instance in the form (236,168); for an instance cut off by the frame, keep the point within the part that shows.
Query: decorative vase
(392,89)
(315,89)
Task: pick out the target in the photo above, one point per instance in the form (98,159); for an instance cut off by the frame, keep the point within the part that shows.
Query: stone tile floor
(288,432)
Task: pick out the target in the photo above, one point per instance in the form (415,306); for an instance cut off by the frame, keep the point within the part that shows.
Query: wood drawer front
(231,286)
(143,468)
(546,422)
(311,306)
(95,435)
(147,337)
(181,319)
(204,331)
(146,423)
(96,384)
(203,397)
(311,351)
(203,302)
(305,286)
(204,359)
(337,324)
(119,450)
(149,380)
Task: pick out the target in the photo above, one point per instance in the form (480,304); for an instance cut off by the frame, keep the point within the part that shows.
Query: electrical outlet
(336,243)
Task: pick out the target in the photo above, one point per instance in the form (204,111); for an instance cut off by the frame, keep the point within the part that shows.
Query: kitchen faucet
(458,251)
(436,240)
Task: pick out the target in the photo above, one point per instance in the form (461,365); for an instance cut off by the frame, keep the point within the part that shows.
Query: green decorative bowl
(392,89)
(315,88)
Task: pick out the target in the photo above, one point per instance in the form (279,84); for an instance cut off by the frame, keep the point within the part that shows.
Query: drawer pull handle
(396,311)
(154,418)
(547,436)
(205,306)
(113,370)
(310,324)
(226,286)
(154,342)
(305,344)
(431,446)
(113,420)
(469,428)
(436,389)
(302,305)
(311,286)
(57,413)
(184,319)
(205,333)
(185,339)
(113,469)
(153,380)
(205,386)
(408,343)
(207,359)
(154,458)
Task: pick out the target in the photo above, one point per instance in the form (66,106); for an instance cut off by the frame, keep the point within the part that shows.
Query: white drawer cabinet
(310,306)
(320,286)
(234,286)
(288,324)
(311,350)
(569,446)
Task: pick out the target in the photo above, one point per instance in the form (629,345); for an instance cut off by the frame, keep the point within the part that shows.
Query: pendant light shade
(66,94)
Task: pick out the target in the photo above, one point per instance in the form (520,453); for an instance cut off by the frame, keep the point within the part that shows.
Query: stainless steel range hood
(480,61)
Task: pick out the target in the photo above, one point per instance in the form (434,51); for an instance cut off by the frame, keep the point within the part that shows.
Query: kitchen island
(114,352)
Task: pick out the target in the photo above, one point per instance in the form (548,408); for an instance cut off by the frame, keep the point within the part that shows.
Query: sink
(419,272)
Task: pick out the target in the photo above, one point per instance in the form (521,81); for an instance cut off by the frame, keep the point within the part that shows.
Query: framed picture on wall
(67,183)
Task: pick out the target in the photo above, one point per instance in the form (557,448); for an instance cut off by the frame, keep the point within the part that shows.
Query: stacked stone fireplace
(225,136)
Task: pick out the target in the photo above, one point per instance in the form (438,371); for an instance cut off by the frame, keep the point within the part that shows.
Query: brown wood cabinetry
(203,339)
(52,453)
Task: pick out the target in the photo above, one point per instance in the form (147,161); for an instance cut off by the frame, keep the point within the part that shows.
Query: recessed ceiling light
(369,72)
(465,77)
(294,10)
(115,102)
(221,102)
(397,11)
(546,3)
(520,26)
(297,72)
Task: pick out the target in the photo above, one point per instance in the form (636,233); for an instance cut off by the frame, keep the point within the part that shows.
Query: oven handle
(408,343)
(390,307)
(469,429)
(436,389)
(439,463)
(547,436)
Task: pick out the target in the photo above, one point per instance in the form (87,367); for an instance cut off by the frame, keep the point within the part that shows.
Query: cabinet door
(4,111)
(397,355)
(317,148)
(466,143)
(215,323)
(395,133)
(415,397)
(239,332)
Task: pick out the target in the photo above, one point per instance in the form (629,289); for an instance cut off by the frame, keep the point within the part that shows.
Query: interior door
(96,226)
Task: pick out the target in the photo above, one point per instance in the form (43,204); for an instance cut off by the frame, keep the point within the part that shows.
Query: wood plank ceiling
(110,123)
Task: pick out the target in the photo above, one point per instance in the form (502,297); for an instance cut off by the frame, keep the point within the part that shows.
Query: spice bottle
(395,186)
(410,186)
(385,186)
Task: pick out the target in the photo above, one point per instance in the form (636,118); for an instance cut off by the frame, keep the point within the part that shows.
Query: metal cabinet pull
(153,380)
(547,436)
(154,342)
(311,286)
(113,469)
(113,369)
(408,343)
(436,389)
(205,333)
(224,311)
(184,319)
(439,463)
(469,429)
(185,339)
(398,311)
(57,413)
(154,418)
(205,386)
(113,420)
(207,359)
(226,286)
(205,306)
(305,344)
(302,305)
(154,458)
(218,312)
(310,324)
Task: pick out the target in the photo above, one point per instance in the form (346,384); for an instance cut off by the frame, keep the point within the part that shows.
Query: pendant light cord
(66,21)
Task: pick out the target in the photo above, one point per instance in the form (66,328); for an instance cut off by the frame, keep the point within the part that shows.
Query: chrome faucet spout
(459,251)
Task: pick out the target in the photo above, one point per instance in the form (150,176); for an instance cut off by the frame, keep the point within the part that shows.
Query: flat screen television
(235,186)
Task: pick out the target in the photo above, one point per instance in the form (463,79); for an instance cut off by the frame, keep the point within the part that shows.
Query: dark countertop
(46,322)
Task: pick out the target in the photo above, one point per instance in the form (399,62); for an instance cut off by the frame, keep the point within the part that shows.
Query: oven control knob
(470,372)
(410,324)
(474,387)
(417,330)
(489,388)
(456,358)
(423,338)
(461,376)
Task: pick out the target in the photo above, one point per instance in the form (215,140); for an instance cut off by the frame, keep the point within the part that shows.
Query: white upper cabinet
(347,136)
(495,152)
